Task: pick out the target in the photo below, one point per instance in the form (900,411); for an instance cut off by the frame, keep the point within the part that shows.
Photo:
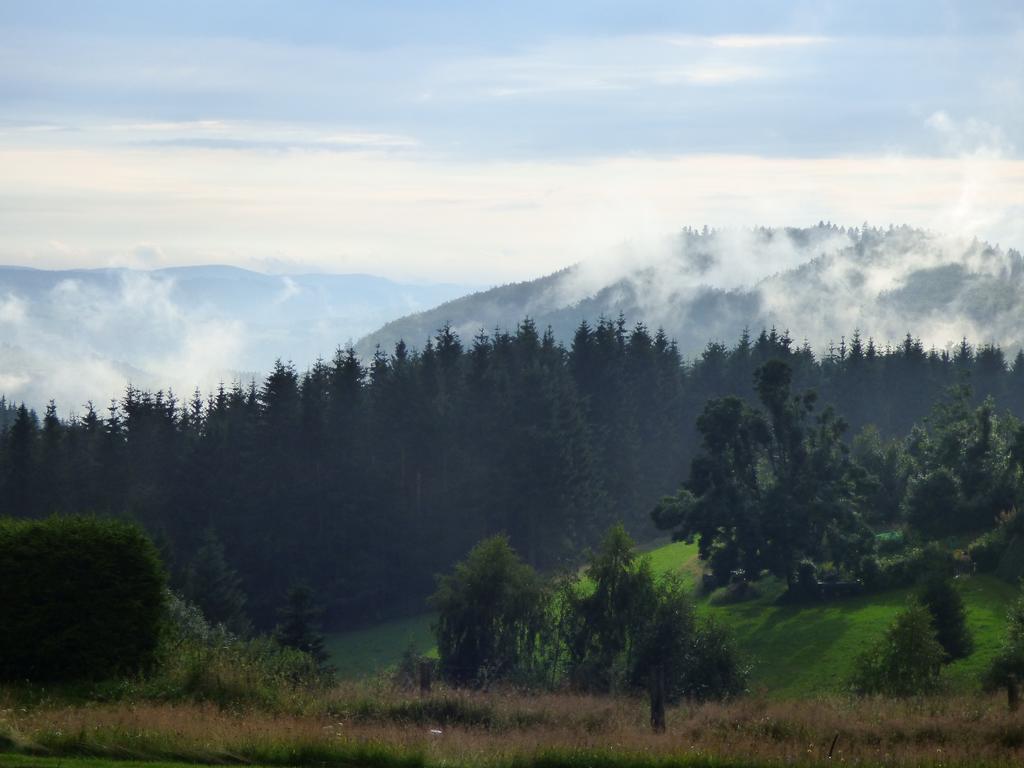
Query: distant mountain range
(79,334)
(76,335)
(821,283)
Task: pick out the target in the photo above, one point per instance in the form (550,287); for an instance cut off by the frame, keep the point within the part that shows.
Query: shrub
(986,550)
(1011,562)
(948,617)
(83,599)
(718,669)
(869,570)
(699,658)
(906,661)
(910,567)
(806,585)
(1009,661)
(203,662)
(890,542)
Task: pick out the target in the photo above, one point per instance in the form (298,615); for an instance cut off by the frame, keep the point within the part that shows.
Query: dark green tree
(934,503)
(608,611)
(491,612)
(770,487)
(299,625)
(698,657)
(949,616)
(215,587)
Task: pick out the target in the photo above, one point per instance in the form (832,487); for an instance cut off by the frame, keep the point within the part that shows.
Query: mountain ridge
(825,281)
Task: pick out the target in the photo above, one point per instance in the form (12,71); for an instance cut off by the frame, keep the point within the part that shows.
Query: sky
(488,142)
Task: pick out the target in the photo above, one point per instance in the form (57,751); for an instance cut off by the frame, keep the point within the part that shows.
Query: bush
(718,669)
(986,550)
(1011,562)
(906,661)
(699,658)
(890,542)
(908,568)
(203,662)
(807,580)
(869,570)
(83,599)
(1009,661)
(948,617)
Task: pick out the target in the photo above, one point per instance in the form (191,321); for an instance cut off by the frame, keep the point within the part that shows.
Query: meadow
(356,725)
(794,650)
(799,711)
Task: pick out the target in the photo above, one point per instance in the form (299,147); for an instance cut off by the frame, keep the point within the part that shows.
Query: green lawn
(795,650)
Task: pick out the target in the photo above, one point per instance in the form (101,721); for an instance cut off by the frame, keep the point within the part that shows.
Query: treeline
(366,479)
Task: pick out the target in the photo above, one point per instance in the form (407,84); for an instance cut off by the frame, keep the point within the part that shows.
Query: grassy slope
(363,652)
(796,650)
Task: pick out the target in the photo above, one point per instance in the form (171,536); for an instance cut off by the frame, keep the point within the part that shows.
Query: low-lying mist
(821,283)
(84,335)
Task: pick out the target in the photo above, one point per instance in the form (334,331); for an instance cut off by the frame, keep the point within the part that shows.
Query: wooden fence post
(658,698)
(425,669)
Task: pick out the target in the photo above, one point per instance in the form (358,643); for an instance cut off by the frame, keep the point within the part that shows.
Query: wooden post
(1012,693)
(424,677)
(833,747)
(658,698)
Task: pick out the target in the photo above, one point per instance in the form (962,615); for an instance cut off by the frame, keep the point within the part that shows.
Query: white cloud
(970,136)
(767,41)
(748,41)
(413,216)
(289,290)
(13,310)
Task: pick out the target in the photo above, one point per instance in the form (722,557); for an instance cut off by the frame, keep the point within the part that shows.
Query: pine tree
(214,586)
(948,616)
(299,625)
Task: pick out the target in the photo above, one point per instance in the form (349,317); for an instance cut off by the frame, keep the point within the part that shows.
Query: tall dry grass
(362,726)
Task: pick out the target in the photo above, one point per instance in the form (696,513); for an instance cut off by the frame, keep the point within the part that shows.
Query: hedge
(80,598)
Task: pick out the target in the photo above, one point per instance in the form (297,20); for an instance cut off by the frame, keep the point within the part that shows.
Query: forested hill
(365,481)
(704,285)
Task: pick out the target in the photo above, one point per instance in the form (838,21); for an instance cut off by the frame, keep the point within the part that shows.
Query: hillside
(825,281)
(795,650)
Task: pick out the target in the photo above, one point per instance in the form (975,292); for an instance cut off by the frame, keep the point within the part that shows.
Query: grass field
(363,652)
(795,650)
(371,727)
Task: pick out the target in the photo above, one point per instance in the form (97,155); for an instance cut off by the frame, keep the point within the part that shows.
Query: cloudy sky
(484,142)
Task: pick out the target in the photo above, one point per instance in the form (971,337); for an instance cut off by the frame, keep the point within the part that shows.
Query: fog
(821,283)
(84,335)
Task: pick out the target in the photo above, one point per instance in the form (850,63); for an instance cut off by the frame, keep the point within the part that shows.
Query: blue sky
(492,141)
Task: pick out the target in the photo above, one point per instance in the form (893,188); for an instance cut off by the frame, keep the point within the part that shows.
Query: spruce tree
(948,615)
(299,625)
(214,586)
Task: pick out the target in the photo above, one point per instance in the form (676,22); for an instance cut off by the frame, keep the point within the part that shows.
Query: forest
(331,476)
